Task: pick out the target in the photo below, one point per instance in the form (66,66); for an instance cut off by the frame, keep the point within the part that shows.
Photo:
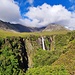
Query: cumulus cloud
(43,15)
(9,11)
(37,16)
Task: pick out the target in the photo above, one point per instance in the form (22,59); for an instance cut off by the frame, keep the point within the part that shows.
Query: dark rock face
(17,45)
(24,62)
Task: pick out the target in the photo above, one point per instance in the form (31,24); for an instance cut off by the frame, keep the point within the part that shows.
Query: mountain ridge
(21,28)
(54,27)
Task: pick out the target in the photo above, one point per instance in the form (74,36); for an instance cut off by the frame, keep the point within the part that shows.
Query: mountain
(54,27)
(20,28)
(14,27)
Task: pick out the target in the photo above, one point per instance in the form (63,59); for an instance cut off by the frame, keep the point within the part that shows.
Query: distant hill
(14,27)
(20,28)
(54,27)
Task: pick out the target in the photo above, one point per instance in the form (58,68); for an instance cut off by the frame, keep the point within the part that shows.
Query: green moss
(47,43)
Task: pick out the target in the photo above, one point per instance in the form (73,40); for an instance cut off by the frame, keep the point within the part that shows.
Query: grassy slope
(68,59)
(4,34)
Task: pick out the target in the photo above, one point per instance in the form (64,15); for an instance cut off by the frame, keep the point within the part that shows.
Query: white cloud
(46,14)
(37,16)
(9,11)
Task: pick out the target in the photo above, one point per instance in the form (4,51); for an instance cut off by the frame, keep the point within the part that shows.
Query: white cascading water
(43,45)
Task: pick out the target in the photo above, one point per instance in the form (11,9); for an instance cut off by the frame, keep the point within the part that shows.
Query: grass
(8,34)
(4,34)
(68,60)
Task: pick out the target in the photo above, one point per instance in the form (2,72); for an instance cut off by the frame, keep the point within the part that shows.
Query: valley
(29,52)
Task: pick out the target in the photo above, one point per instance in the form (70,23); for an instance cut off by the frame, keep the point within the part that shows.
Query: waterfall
(43,45)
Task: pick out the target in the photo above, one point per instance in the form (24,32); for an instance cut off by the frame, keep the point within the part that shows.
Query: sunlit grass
(23,34)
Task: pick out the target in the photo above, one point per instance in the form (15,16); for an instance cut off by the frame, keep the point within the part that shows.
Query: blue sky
(24,4)
(38,13)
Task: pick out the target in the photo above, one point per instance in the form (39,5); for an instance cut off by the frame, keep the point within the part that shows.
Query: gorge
(23,53)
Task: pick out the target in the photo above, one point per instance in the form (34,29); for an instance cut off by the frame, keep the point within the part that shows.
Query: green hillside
(23,54)
(68,58)
(23,34)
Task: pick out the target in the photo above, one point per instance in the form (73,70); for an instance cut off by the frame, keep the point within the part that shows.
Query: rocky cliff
(25,48)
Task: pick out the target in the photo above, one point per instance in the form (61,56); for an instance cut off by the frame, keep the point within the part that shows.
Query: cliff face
(25,48)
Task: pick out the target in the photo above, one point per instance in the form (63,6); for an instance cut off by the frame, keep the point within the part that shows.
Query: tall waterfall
(43,45)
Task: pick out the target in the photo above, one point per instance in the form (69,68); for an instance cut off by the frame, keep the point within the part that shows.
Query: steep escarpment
(22,51)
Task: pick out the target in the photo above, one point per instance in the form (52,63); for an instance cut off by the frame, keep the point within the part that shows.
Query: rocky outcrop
(48,42)
(30,52)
